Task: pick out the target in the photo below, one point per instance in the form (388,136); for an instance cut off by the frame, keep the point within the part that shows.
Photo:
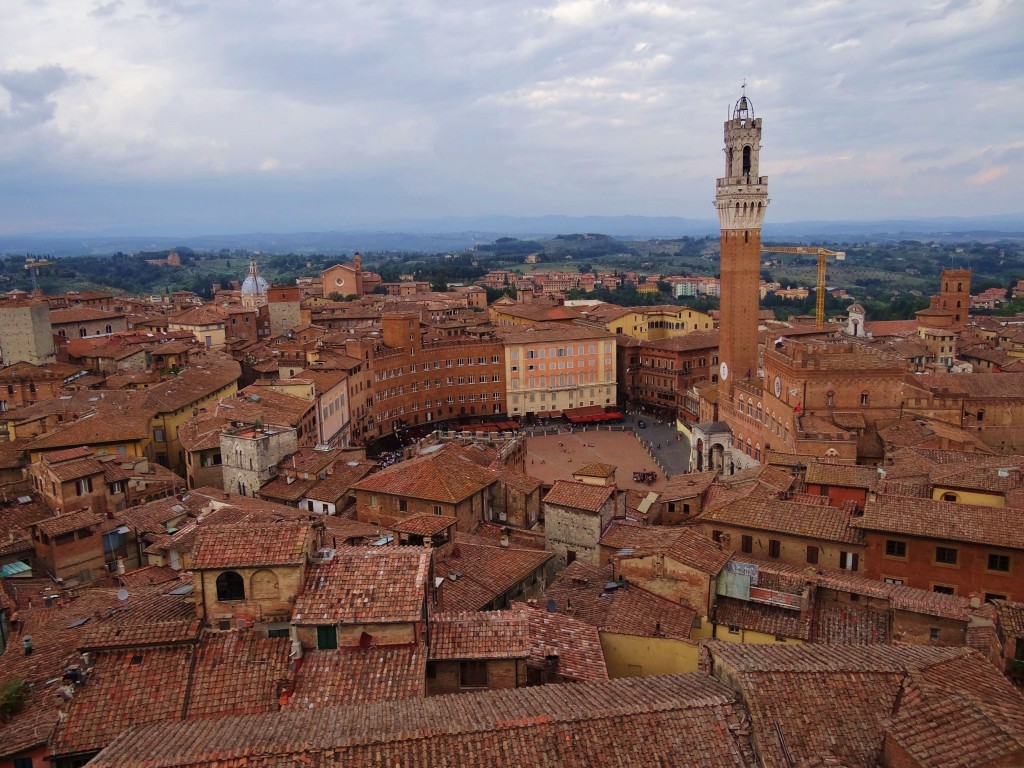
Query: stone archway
(264,585)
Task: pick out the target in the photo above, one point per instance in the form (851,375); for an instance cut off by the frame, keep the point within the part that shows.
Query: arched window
(82,332)
(830,399)
(109,329)
(959,289)
(760,413)
(746,160)
(230,586)
(864,398)
(949,497)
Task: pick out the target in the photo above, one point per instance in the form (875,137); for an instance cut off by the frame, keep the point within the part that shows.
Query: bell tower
(741,198)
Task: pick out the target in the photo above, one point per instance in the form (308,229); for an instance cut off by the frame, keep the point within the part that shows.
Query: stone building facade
(250,455)
(26,332)
(575,516)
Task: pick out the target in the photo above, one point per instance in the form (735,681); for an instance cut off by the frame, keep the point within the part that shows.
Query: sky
(189,117)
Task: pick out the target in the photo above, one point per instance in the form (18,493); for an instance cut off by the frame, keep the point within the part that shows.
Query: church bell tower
(741,199)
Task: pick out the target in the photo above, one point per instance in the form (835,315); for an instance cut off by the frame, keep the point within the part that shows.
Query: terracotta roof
(843,475)
(358,676)
(241,546)
(849,624)
(576,643)
(72,521)
(206,373)
(230,673)
(81,315)
(237,673)
(579,591)
(595,469)
(807,520)
(697,720)
(568,493)
(943,520)
(485,571)
(787,688)
(444,476)
(199,316)
(365,585)
(158,618)
(759,617)
(424,525)
(337,485)
(106,425)
(688,485)
(479,635)
(1011,617)
(125,688)
(549,332)
(957,713)
(72,470)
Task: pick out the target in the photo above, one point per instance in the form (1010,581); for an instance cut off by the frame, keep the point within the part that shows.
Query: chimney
(550,672)
(26,644)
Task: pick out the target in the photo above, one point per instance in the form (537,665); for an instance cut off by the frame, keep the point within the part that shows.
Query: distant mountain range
(456,234)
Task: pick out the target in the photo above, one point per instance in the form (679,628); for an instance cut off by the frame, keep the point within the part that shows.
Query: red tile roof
(424,525)
(445,476)
(359,676)
(672,720)
(250,546)
(843,475)
(579,591)
(479,635)
(943,520)
(365,585)
(226,674)
(683,544)
(576,643)
(237,673)
(758,617)
(807,520)
(125,688)
(485,571)
(568,493)
(72,521)
(959,713)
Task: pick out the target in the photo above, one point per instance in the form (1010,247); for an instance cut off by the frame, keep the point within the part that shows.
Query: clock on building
(723,370)
(778,386)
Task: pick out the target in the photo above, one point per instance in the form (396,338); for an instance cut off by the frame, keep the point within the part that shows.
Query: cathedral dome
(254,285)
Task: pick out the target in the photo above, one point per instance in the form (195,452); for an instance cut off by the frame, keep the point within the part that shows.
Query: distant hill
(456,234)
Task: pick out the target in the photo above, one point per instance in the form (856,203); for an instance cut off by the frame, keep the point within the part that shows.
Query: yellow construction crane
(823,254)
(33,265)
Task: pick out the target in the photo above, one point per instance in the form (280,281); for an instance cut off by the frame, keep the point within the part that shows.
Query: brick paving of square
(554,457)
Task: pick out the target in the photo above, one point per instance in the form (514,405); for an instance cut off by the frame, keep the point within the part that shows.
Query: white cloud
(516,106)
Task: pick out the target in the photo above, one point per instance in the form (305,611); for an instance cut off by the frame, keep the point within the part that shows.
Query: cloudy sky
(190,117)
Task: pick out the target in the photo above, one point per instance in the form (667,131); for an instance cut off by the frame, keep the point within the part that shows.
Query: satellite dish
(122,594)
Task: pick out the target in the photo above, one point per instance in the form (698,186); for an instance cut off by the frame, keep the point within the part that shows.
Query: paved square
(554,457)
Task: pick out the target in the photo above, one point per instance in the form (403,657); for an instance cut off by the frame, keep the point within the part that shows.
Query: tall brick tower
(741,199)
